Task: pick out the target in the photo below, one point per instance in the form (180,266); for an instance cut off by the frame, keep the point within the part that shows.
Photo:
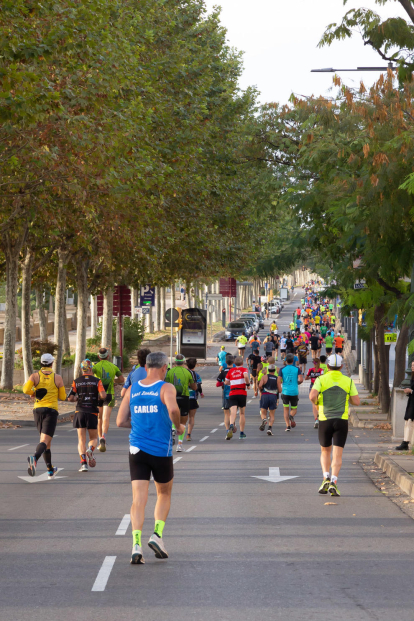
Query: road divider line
(177,459)
(17,447)
(123,527)
(74,429)
(250,401)
(214,430)
(205,438)
(104,573)
(221,424)
(190,449)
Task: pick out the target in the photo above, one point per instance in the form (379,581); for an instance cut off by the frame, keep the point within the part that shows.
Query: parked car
(235,329)
(261,318)
(253,317)
(274,310)
(249,324)
(278,301)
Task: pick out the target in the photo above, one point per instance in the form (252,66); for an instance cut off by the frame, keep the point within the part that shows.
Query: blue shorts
(268,402)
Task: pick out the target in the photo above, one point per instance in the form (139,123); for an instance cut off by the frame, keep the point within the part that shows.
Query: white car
(274,310)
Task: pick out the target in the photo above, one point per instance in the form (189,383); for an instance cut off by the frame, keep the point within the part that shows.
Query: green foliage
(134,331)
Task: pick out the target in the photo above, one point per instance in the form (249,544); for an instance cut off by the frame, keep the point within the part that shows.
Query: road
(241,548)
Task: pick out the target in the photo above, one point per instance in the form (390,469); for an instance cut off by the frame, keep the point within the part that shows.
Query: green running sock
(159,527)
(181,437)
(173,426)
(136,536)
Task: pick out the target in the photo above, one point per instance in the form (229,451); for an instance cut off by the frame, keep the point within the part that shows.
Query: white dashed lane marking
(104,573)
(123,527)
(205,438)
(190,449)
(214,430)
(177,459)
(17,447)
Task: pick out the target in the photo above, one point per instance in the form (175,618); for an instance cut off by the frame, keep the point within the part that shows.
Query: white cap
(334,361)
(47,359)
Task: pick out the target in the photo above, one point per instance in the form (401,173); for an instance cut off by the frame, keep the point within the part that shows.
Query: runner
(109,374)
(328,343)
(149,414)
(283,346)
(269,345)
(276,342)
(182,379)
(316,344)
(292,326)
(288,384)
(194,394)
(221,356)
(241,344)
(273,327)
(303,353)
(86,390)
(46,387)
(332,393)
(254,342)
(139,368)
(226,390)
(313,373)
(339,343)
(238,380)
(270,395)
(323,364)
(254,360)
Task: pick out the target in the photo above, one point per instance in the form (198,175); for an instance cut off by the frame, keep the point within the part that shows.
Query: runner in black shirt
(87,389)
(253,360)
(316,344)
(313,374)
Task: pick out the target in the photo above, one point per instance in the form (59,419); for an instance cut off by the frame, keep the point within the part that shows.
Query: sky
(279,39)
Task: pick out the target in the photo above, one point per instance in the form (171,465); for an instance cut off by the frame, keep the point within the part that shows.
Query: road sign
(146,310)
(193,335)
(228,287)
(175,316)
(147,297)
(274,476)
(122,302)
(214,296)
(390,337)
(360,284)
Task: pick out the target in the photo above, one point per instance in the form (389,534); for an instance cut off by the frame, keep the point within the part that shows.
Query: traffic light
(180,318)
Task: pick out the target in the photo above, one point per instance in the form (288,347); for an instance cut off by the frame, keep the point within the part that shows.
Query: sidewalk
(17,410)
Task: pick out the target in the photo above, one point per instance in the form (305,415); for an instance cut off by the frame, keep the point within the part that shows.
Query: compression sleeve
(27,388)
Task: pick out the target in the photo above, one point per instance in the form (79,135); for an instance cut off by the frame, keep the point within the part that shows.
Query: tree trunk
(383,356)
(82,313)
(400,356)
(26,314)
(94,315)
(42,315)
(376,379)
(162,311)
(157,309)
(11,249)
(60,308)
(66,341)
(108,310)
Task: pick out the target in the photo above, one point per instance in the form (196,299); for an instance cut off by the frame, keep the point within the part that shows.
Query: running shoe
(188,438)
(102,445)
(91,459)
(263,424)
(316,425)
(84,467)
(32,466)
(287,429)
(179,447)
(157,545)
(51,473)
(269,432)
(333,490)
(242,436)
(136,556)
(230,433)
(324,487)
(292,421)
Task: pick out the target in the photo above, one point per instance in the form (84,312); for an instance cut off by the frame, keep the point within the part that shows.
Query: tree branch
(389,288)
(408,8)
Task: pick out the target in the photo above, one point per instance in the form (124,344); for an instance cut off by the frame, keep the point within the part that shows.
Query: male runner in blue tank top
(149,408)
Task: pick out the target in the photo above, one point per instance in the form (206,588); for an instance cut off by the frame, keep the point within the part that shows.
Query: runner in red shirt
(314,373)
(238,379)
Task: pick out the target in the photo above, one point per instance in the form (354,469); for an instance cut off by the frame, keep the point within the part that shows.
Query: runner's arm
(60,387)
(247,380)
(279,383)
(72,396)
(169,398)
(300,378)
(313,396)
(123,418)
(101,391)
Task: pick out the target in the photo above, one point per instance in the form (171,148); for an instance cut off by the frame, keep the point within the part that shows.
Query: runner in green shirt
(328,344)
(324,330)
(109,374)
(241,344)
(183,380)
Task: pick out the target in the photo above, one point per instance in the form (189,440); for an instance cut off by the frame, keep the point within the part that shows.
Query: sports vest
(151,427)
(46,391)
(270,387)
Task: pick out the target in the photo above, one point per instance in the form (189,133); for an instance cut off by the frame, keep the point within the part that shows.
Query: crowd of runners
(159,404)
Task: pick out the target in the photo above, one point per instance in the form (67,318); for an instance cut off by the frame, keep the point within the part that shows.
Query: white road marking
(74,429)
(214,430)
(177,459)
(41,477)
(190,449)
(205,438)
(123,527)
(274,476)
(250,401)
(17,447)
(221,424)
(104,573)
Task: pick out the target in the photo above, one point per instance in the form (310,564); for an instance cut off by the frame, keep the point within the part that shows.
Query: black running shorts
(291,400)
(303,360)
(237,400)
(338,350)
(193,405)
(184,405)
(142,465)
(333,431)
(46,420)
(253,372)
(329,350)
(85,420)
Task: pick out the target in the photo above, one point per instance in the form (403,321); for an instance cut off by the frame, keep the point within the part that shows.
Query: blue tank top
(151,427)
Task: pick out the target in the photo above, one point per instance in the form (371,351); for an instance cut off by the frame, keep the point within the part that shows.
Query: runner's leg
(336,460)
(191,420)
(242,419)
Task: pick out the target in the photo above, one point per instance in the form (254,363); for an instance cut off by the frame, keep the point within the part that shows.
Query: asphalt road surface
(241,548)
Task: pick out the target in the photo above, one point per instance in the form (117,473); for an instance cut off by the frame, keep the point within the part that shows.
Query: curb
(396,473)
(29,423)
(357,422)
